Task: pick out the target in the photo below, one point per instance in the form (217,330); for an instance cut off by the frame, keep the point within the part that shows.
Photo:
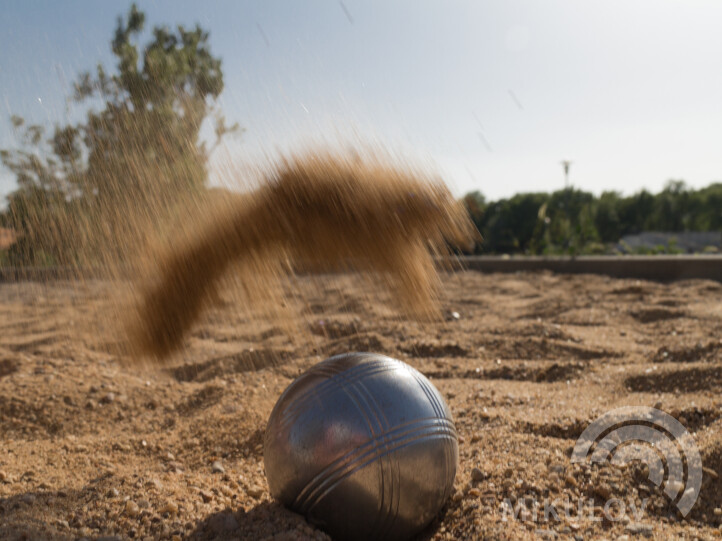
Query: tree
(95,188)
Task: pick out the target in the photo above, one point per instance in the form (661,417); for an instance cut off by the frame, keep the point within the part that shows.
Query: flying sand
(319,212)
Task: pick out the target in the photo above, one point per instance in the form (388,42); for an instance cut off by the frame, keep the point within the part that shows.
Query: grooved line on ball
(343,378)
(385,512)
(438,434)
(434,398)
(337,471)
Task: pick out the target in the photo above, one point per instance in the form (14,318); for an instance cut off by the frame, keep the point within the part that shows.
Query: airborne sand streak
(319,212)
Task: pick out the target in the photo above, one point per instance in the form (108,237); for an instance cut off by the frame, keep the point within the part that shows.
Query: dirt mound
(244,361)
(652,315)
(712,351)
(687,380)
(435,349)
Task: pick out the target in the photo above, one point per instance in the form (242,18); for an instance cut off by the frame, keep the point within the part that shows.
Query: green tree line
(95,190)
(572,221)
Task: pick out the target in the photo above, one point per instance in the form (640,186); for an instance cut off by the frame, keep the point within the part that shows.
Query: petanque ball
(363,446)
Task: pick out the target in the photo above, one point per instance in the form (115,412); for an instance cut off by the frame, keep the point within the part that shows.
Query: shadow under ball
(363,446)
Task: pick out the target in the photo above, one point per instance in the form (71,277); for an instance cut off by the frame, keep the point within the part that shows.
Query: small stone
(175,467)
(254,491)
(570,480)
(206,496)
(603,491)
(143,504)
(458,496)
(108,398)
(474,492)
(3,476)
(709,471)
(717,511)
(132,509)
(477,475)
(154,483)
(113,493)
(63,524)
(639,528)
(170,508)
(217,467)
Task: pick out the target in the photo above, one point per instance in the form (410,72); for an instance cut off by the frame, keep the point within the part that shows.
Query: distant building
(688,242)
(7,238)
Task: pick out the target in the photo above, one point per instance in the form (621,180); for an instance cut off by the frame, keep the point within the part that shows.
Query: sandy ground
(90,448)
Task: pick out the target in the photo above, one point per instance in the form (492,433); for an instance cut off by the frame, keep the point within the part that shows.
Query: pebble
(709,471)
(254,491)
(170,508)
(175,467)
(206,496)
(113,493)
(108,398)
(477,475)
(3,476)
(154,483)
(132,509)
(717,511)
(603,491)
(217,467)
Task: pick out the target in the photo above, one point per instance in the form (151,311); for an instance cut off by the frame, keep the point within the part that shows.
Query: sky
(492,94)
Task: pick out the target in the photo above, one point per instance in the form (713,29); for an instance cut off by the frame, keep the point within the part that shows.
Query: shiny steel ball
(363,446)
